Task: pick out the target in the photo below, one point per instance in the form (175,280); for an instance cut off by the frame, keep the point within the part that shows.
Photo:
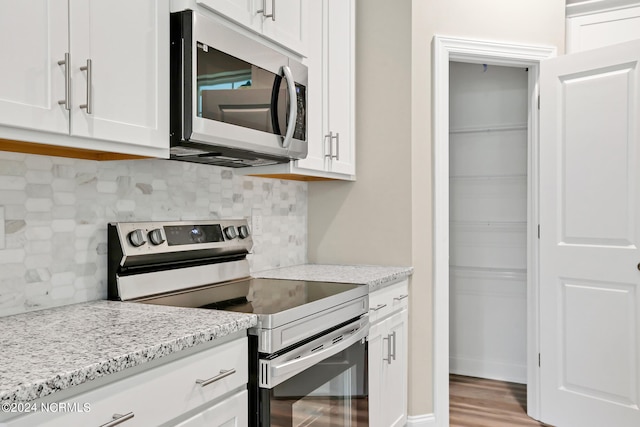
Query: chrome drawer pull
(378,307)
(401,297)
(118,419)
(223,374)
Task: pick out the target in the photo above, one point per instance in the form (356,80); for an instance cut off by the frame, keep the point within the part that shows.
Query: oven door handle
(278,373)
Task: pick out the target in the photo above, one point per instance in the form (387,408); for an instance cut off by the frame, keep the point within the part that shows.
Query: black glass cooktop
(257,296)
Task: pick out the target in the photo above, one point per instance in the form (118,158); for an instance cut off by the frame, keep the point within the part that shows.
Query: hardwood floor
(478,402)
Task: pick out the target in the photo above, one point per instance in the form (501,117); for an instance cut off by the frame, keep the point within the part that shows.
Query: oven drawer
(157,395)
(388,300)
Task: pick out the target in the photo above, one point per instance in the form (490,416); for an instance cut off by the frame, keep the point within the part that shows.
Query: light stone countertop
(377,277)
(45,351)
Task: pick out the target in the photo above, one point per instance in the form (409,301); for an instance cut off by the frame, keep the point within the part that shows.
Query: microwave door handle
(275,95)
(293,106)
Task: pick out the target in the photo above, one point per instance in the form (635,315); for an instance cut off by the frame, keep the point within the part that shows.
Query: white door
(590,233)
(127,43)
(35,36)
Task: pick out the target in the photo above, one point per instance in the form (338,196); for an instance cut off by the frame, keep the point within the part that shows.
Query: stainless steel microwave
(234,101)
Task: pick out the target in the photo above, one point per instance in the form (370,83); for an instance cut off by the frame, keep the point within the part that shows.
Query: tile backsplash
(54,233)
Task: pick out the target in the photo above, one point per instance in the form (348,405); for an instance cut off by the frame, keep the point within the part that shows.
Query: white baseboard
(483,368)
(426,420)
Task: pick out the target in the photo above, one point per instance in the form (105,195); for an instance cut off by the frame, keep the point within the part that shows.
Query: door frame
(446,49)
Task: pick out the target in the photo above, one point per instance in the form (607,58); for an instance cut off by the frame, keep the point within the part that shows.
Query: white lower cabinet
(231,412)
(160,395)
(388,356)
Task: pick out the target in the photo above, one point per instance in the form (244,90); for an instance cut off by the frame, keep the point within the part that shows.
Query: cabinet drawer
(156,395)
(233,411)
(388,300)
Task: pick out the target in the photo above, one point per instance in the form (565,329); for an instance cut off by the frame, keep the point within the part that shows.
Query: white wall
(385,217)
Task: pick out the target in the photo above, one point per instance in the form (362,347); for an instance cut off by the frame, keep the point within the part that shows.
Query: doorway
(488,221)
(476,52)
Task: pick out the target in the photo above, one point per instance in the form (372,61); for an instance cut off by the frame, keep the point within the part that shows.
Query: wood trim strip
(58,151)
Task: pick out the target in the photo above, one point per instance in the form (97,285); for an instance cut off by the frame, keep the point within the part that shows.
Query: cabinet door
(244,12)
(34,36)
(316,105)
(288,25)
(378,350)
(127,90)
(395,373)
(339,68)
(231,412)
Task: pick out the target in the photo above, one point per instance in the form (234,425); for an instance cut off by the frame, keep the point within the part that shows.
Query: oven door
(321,383)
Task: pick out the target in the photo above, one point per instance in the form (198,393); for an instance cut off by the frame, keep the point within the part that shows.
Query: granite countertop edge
(52,381)
(375,276)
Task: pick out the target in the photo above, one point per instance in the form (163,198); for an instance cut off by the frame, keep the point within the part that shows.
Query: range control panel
(148,238)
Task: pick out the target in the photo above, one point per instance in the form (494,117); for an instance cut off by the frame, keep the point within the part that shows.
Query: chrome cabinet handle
(330,136)
(223,374)
(378,307)
(337,156)
(393,355)
(118,419)
(87,68)
(67,82)
(272,15)
(401,297)
(388,358)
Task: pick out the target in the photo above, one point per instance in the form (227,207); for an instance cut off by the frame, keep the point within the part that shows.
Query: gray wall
(56,212)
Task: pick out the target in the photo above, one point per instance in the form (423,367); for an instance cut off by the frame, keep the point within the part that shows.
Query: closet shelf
(489,225)
(518,177)
(495,128)
(489,273)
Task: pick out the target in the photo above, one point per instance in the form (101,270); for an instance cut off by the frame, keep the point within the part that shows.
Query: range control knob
(243,231)
(156,236)
(230,232)
(136,238)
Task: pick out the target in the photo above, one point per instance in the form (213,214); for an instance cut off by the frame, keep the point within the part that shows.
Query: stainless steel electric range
(308,353)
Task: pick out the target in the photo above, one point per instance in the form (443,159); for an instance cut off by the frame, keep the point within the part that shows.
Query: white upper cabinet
(118,49)
(331,96)
(32,81)
(97,70)
(282,21)
(239,11)
(339,69)
(331,131)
